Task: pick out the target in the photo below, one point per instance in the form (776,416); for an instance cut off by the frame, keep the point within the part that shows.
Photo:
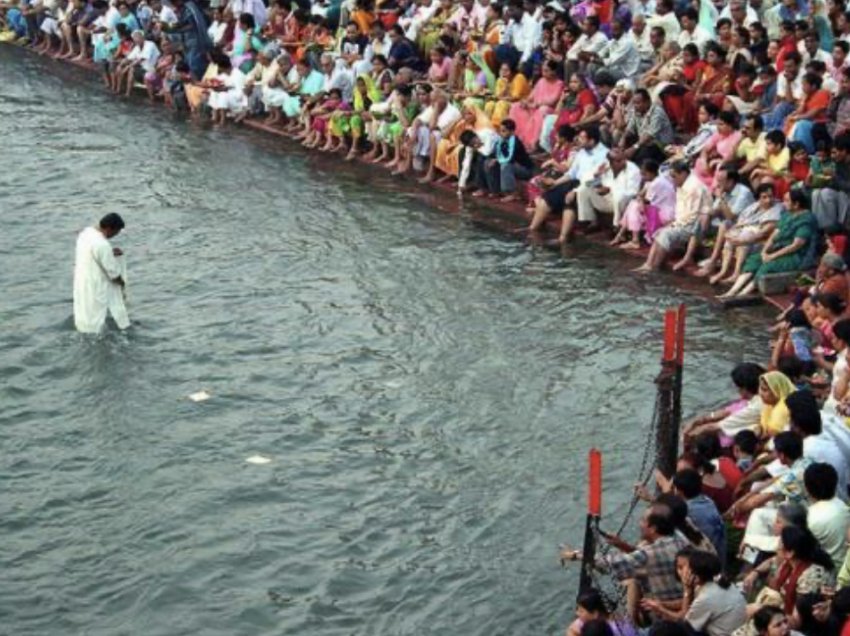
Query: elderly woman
(529,114)
(788,249)
(285,81)
(349,123)
(447,158)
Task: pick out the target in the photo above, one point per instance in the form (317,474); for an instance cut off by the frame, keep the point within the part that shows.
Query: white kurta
(94,292)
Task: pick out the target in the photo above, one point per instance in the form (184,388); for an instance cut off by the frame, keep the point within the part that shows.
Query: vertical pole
(594,511)
(680,360)
(666,433)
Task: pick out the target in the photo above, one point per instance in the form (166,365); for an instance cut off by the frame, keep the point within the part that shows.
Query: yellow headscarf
(775,419)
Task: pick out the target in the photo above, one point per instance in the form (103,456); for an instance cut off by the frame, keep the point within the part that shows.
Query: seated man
(614,185)
(692,200)
(648,130)
(831,204)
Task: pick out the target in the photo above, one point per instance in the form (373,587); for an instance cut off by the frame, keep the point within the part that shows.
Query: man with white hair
(428,128)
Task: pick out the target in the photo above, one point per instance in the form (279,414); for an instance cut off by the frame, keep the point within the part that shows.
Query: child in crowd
(775,164)
(510,163)
(795,338)
(821,166)
(652,209)
(744,449)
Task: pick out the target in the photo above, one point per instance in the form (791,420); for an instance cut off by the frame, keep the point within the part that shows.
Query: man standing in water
(98,277)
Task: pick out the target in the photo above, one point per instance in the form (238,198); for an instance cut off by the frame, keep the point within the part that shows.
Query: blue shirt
(705,516)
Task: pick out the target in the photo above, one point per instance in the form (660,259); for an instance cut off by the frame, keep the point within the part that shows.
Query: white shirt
(700,37)
(621,57)
(167,15)
(528,35)
(147,54)
(747,419)
(627,182)
(828,521)
(586,163)
(593,44)
(839,372)
(796,87)
(668,22)
(752,16)
(95,293)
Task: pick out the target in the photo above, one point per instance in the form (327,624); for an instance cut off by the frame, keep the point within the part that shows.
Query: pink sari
(659,210)
(529,122)
(725,149)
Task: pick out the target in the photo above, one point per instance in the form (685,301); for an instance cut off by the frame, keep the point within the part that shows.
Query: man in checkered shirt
(653,562)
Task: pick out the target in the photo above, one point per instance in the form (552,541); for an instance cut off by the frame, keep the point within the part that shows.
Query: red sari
(572,111)
(678,100)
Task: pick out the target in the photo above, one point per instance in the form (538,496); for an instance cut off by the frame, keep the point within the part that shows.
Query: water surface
(426,387)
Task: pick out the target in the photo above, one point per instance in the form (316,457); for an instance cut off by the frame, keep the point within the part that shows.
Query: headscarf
(479,61)
(775,418)
(372,93)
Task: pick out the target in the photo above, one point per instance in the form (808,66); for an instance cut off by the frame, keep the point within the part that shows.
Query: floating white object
(258,459)
(200,396)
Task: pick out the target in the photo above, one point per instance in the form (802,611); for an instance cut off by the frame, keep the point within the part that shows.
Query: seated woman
(707,114)
(310,84)
(350,123)
(441,66)
(719,149)
(811,111)
(530,113)
(803,567)
(789,248)
(285,82)
(478,82)
(320,114)
(652,209)
(576,105)
(751,228)
(246,44)
(510,87)
(197,93)
(155,81)
(677,95)
(669,68)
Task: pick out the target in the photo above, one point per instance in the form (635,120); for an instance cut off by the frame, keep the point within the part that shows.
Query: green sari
(342,123)
(802,225)
(472,82)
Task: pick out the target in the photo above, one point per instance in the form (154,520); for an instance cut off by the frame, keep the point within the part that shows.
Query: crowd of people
(750,535)
(716,134)
(713,132)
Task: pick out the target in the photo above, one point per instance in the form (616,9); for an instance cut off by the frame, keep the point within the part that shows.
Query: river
(426,388)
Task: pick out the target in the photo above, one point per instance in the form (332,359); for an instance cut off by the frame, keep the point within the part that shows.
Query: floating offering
(200,396)
(258,459)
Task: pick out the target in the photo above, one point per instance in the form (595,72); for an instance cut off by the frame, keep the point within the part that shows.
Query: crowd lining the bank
(714,131)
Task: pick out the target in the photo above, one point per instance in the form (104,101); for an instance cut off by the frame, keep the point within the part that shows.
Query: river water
(425,387)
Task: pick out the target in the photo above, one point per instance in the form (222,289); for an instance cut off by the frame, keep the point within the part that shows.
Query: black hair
(707,445)
(380,57)
(593,20)
(247,21)
(688,482)
(831,301)
(682,167)
(843,45)
(112,221)
(711,108)
(593,133)
(661,518)
(692,49)
(676,510)
(805,547)
(509,124)
(763,617)
(644,94)
(793,56)
(596,627)
(722,22)
(813,79)
(765,187)
(690,13)
(775,137)
(841,603)
(668,628)
(798,196)
(565,131)
(650,166)
(747,441)
(821,481)
(792,367)
(706,567)
(731,170)
(789,444)
(842,142)
(396,28)
(592,601)
(824,145)
(467,137)
(805,415)
(841,330)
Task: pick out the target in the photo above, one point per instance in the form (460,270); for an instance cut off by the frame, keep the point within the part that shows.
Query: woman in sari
(715,83)
(351,124)
(285,81)
(678,97)
(774,387)
(789,248)
(245,44)
(576,104)
(719,149)
(478,81)
(511,87)
(811,110)
(310,82)
(530,113)
(447,159)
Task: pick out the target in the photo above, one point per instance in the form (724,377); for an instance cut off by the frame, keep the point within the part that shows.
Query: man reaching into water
(98,277)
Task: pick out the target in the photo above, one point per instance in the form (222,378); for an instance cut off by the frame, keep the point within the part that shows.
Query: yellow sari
(447,159)
(516,90)
(194,93)
(775,418)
